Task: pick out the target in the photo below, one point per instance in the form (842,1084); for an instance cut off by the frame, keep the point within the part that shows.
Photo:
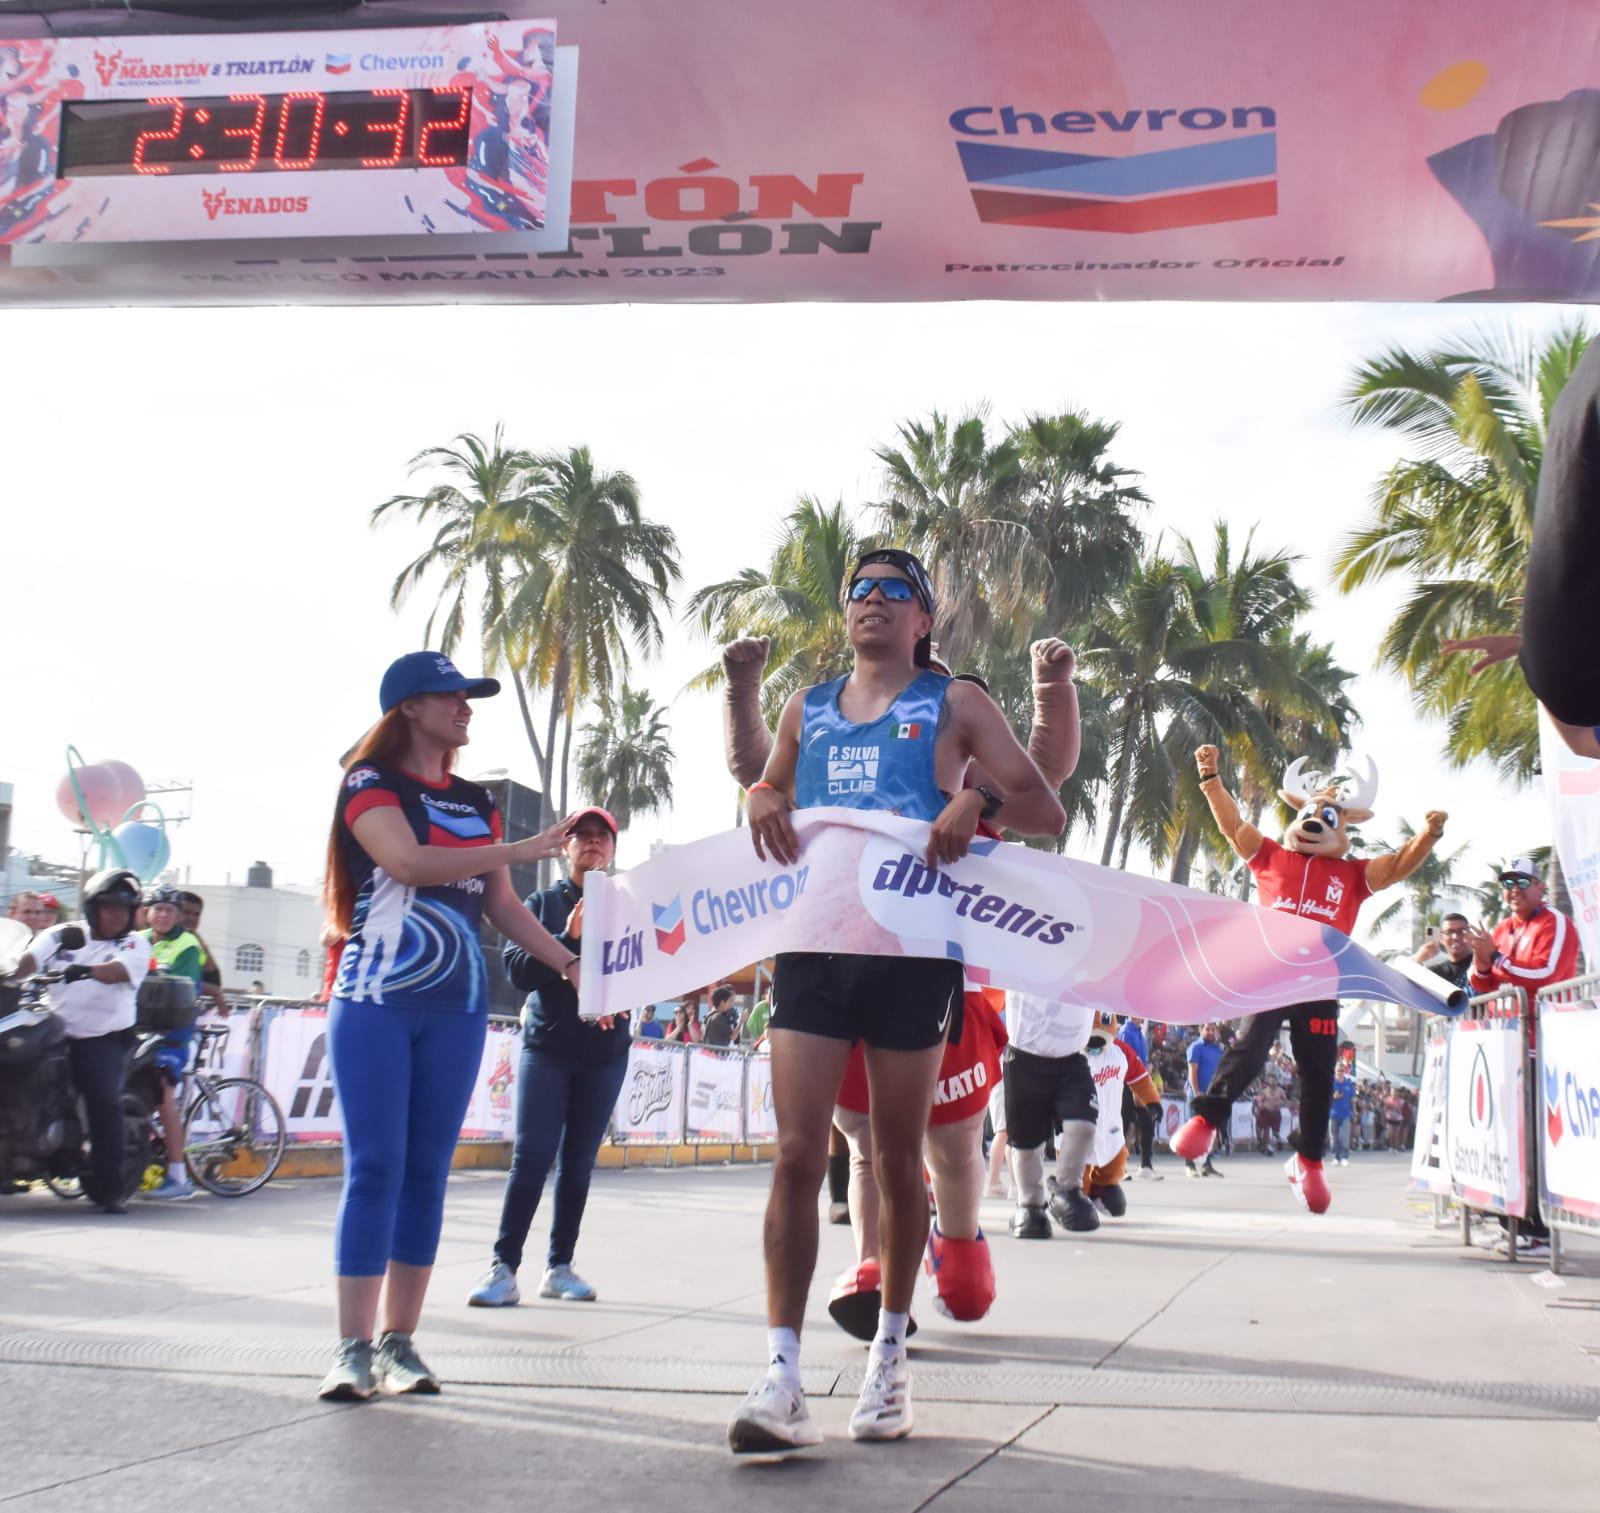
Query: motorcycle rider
(95,1003)
(178,953)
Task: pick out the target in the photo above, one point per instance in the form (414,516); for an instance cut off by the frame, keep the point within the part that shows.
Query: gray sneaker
(564,1282)
(497,1288)
(398,1367)
(349,1379)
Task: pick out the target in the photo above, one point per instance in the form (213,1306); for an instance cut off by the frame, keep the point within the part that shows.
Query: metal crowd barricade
(1508,1004)
(652,1105)
(713,1100)
(1582,995)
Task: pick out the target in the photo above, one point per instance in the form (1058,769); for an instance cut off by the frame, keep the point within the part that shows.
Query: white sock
(891,1337)
(177,1172)
(783,1355)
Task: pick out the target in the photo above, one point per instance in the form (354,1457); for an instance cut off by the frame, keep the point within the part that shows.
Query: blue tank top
(885,765)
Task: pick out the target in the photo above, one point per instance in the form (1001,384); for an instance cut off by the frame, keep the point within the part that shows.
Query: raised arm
(744,733)
(771,800)
(1239,832)
(1054,741)
(1383,871)
(982,735)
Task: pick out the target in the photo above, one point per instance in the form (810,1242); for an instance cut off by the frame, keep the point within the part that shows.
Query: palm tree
(794,601)
(1156,671)
(950,496)
(1456,519)
(1079,511)
(597,575)
(625,755)
(479,545)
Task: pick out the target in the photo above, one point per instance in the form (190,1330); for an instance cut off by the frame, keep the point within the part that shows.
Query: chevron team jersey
(415,948)
(887,764)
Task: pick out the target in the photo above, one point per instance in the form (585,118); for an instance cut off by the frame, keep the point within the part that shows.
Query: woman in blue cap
(415,860)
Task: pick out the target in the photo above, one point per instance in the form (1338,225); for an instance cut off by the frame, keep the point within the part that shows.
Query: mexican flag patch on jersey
(908,732)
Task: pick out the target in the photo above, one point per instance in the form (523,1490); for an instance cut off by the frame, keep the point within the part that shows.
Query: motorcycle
(43,1129)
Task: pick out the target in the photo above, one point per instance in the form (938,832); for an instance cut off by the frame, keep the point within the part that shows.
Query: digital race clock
(437,130)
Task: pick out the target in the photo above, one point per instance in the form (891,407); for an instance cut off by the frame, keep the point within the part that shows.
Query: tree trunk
(1560,897)
(540,760)
(1127,841)
(566,763)
(1183,857)
(1119,793)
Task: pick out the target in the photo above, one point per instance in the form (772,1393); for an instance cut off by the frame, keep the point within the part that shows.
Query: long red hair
(386,745)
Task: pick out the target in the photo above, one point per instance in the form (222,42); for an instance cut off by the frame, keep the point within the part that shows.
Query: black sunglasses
(895,590)
(1519,882)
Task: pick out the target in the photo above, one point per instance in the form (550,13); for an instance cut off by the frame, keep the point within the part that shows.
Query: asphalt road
(1217,1348)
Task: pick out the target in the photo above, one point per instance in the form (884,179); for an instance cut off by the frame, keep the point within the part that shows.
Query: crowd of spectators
(1382,1115)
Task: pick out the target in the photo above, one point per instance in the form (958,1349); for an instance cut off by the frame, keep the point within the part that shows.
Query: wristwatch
(992,802)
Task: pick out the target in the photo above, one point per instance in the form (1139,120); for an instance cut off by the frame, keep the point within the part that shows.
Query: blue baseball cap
(429,672)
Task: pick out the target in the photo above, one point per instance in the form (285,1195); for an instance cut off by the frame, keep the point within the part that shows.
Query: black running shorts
(896,1003)
(1043,1093)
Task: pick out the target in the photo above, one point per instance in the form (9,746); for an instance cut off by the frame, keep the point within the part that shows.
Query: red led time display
(249,133)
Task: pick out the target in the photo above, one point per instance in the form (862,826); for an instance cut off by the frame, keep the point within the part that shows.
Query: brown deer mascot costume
(1310,874)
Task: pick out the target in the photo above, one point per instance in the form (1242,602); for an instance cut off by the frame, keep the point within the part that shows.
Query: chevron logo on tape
(669,926)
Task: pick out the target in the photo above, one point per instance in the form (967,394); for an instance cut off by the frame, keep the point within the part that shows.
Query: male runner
(892,736)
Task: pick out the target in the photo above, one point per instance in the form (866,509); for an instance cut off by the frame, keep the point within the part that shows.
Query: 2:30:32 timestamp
(294,132)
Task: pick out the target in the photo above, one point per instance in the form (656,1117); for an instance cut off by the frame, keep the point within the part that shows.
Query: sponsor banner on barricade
(1572,790)
(714,1096)
(760,1122)
(1430,1156)
(1017,918)
(1173,1113)
(295,1069)
(492,1114)
(1569,1107)
(234,1059)
(650,1106)
(1484,1127)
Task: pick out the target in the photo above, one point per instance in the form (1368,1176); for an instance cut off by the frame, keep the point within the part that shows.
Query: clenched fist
(1205,759)
(1053,661)
(1436,819)
(746,656)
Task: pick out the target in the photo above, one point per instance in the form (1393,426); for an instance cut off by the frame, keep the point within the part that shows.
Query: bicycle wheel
(233,1136)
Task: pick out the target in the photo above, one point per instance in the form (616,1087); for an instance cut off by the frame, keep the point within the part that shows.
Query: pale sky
(193,586)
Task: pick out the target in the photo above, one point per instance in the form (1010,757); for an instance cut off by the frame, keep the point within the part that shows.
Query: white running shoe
(773,1419)
(883,1411)
(1148,1174)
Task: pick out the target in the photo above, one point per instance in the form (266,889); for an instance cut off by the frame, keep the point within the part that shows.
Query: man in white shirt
(1048,1086)
(95,1002)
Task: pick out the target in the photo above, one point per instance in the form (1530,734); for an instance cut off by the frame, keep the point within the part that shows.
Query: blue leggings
(404,1078)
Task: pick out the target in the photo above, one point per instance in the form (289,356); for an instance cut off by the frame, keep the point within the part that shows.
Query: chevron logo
(1197,185)
(669,925)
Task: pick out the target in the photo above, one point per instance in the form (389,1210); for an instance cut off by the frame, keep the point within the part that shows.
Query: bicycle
(233,1133)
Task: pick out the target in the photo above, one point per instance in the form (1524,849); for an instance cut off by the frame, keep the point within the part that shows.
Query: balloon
(144,848)
(109,789)
(132,783)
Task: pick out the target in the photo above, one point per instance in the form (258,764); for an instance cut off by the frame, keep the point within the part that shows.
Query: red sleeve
(1265,855)
(1136,1067)
(365,787)
(496,829)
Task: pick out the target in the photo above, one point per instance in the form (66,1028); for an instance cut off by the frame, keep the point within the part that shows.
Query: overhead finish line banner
(936,150)
(1016,918)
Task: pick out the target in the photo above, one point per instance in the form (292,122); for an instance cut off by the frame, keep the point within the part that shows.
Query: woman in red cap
(567,1086)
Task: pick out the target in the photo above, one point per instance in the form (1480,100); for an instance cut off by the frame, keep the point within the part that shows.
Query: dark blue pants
(99,1064)
(562,1110)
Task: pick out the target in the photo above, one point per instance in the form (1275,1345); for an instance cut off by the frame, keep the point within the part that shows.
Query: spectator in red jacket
(1533,946)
